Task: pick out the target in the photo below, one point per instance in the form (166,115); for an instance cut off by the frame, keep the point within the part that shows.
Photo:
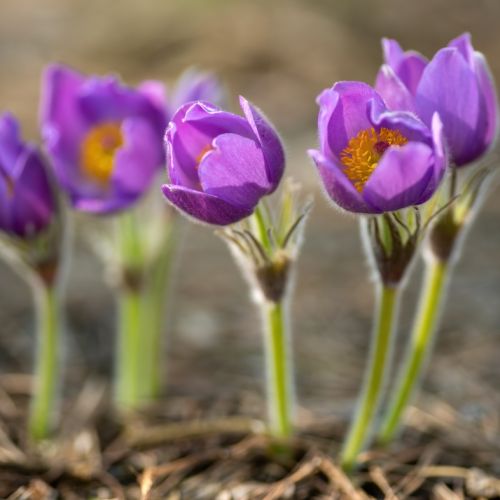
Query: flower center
(363,152)
(98,150)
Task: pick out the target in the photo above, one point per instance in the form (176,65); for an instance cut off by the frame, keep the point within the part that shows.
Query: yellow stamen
(98,151)
(363,152)
(9,182)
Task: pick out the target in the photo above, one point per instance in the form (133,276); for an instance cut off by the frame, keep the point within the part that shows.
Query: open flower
(372,160)
(27,203)
(105,139)
(220,164)
(456,83)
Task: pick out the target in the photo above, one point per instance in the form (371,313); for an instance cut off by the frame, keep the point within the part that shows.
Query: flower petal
(104,99)
(269,142)
(488,91)
(393,91)
(204,207)
(235,171)
(458,103)
(62,123)
(137,161)
(191,132)
(401,178)
(350,114)
(10,143)
(338,187)
(408,66)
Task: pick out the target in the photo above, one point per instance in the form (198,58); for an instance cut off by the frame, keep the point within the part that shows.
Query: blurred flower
(105,139)
(220,164)
(372,160)
(456,83)
(194,85)
(27,203)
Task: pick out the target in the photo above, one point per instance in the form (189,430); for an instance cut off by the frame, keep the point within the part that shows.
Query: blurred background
(279,54)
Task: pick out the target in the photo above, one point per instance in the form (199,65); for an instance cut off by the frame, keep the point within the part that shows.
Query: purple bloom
(221,164)
(105,139)
(456,83)
(27,202)
(372,160)
(194,85)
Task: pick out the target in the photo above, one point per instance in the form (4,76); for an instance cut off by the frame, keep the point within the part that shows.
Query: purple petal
(407,123)
(34,196)
(408,66)
(104,99)
(235,171)
(327,101)
(62,122)
(137,161)
(401,178)
(450,87)
(10,143)
(464,46)
(488,91)
(393,53)
(190,134)
(350,114)
(194,85)
(104,205)
(393,91)
(156,93)
(338,187)
(205,207)
(269,142)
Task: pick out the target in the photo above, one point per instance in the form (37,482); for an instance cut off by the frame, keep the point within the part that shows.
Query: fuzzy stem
(155,292)
(375,375)
(129,379)
(129,363)
(419,348)
(279,374)
(46,381)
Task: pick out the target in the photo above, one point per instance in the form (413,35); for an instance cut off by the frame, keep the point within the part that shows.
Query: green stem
(155,292)
(419,347)
(129,365)
(129,379)
(46,381)
(375,375)
(278,370)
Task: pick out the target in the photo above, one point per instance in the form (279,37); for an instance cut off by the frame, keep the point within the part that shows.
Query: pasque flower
(220,164)
(105,139)
(194,85)
(373,160)
(456,83)
(27,203)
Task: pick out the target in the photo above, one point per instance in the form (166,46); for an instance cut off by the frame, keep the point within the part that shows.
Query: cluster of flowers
(391,153)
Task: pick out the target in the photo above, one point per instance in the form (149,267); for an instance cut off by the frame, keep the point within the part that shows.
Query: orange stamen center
(363,152)
(98,151)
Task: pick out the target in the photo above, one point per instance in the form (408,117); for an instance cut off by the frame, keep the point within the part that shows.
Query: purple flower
(456,83)
(27,202)
(221,164)
(105,139)
(194,85)
(372,160)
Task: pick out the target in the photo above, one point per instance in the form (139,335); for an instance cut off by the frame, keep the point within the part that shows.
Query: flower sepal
(447,231)
(266,248)
(392,240)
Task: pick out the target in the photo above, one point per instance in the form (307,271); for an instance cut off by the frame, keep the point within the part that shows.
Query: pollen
(98,151)
(363,152)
